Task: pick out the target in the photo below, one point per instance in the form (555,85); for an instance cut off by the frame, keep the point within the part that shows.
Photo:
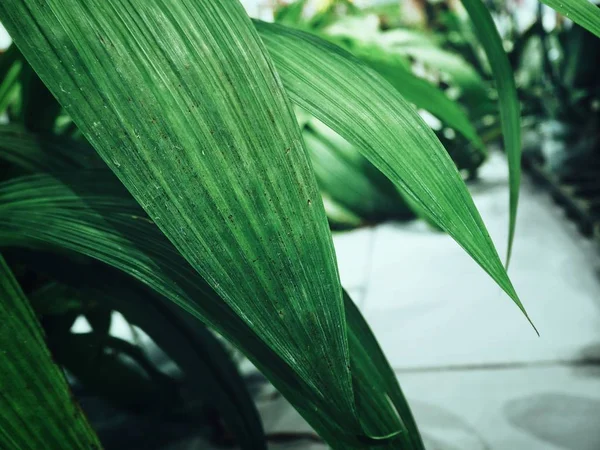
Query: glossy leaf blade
(389,133)
(510,115)
(194,122)
(36,407)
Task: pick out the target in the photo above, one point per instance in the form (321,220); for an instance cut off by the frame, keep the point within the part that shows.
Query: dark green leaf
(31,152)
(196,125)
(212,377)
(389,133)
(367,353)
(103,222)
(36,407)
(39,109)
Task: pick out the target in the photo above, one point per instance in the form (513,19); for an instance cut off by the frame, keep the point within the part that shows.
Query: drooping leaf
(36,407)
(390,52)
(388,132)
(103,222)
(368,353)
(194,122)
(582,12)
(210,375)
(393,125)
(510,116)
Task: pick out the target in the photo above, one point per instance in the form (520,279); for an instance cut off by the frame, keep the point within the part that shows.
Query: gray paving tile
(431,305)
(523,409)
(354,250)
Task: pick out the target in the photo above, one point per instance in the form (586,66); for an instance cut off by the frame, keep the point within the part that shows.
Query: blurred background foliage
(428,51)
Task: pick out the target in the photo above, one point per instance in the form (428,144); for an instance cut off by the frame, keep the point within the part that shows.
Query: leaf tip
(522,308)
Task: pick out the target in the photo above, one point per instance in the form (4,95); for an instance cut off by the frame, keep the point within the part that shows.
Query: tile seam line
(589,362)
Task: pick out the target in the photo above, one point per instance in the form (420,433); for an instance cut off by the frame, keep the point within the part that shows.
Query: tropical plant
(154,166)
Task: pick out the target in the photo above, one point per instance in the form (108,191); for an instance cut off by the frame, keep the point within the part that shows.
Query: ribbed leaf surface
(367,111)
(180,100)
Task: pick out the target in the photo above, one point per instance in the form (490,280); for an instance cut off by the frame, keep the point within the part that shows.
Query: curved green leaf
(102,221)
(36,407)
(194,122)
(425,96)
(387,53)
(389,133)
(510,116)
(369,353)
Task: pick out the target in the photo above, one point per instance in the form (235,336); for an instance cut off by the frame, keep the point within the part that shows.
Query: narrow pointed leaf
(194,122)
(36,406)
(389,133)
(508,102)
(371,352)
(393,126)
(582,12)
(367,353)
